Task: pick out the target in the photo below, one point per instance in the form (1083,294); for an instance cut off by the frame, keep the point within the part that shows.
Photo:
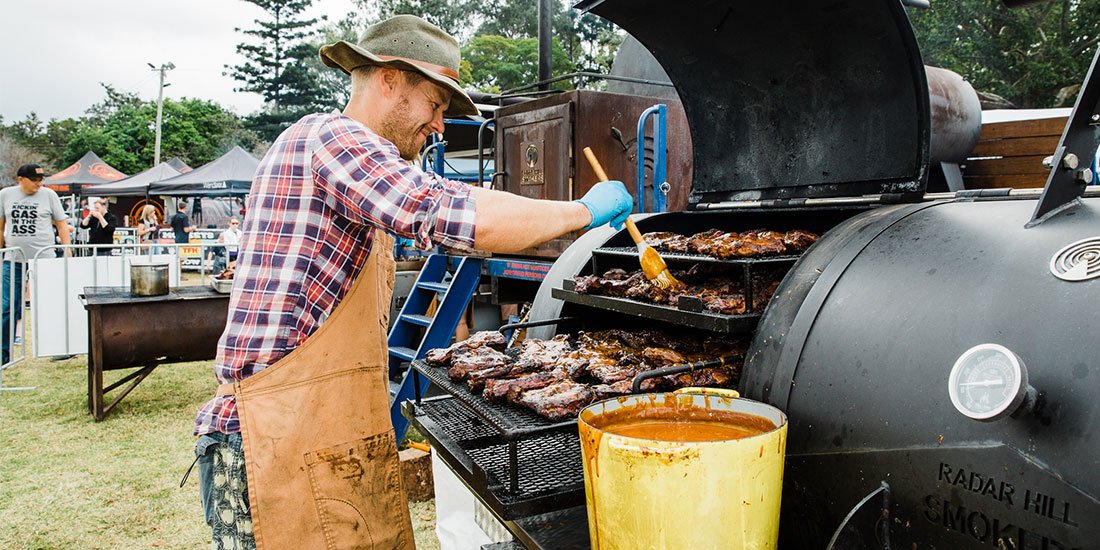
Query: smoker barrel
(857,347)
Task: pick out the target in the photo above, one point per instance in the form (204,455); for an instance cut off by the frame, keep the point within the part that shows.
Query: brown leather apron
(320,455)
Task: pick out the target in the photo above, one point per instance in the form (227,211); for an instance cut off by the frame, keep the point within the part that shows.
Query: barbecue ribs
(723,244)
(486,338)
(556,378)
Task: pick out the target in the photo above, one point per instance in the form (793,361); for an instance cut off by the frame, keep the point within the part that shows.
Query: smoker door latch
(867,525)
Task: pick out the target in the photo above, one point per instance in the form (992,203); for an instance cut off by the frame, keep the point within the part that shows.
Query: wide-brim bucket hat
(409,43)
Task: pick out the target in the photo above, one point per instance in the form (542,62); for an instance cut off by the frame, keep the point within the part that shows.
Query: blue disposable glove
(608,201)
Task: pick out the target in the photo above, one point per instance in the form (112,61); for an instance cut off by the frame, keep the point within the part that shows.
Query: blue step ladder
(454,291)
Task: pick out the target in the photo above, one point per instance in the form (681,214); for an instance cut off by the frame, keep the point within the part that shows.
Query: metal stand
(9,263)
(16,388)
(1070,169)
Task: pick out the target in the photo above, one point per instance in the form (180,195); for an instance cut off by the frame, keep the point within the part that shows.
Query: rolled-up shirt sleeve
(366,180)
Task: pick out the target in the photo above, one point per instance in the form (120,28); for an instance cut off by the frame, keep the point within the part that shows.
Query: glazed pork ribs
(485,339)
(719,289)
(732,244)
(556,378)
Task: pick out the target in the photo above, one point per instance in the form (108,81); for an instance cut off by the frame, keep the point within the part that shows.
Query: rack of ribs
(474,360)
(732,244)
(486,338)
(563,399)
(557,377)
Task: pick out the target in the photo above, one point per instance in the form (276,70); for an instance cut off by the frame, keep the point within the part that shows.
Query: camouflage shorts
(224,491)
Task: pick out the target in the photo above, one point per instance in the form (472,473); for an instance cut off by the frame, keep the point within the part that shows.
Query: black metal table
(143,332)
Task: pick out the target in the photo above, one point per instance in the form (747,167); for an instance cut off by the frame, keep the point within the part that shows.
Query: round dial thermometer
(988,382)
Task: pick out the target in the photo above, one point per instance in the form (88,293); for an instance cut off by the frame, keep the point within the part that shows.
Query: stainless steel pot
(148,279)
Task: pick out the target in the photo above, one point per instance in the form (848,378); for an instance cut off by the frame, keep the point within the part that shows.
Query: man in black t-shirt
(181,224)
(101,226)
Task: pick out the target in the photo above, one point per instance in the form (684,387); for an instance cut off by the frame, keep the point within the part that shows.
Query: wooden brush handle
(602,176)
(633,230)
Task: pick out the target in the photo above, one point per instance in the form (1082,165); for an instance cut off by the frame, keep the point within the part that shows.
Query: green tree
(1027,55)
(454,16)
(586,41)
(198,131)
(582,42)
(276,64)
(334,86)
(46,139)
(496,63)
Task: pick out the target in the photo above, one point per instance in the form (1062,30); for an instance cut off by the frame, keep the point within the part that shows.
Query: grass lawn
(67,482)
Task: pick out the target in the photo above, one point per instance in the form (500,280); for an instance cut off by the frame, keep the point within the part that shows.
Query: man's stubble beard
(396,128)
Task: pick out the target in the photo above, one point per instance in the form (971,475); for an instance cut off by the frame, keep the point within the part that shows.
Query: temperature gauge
(988,382)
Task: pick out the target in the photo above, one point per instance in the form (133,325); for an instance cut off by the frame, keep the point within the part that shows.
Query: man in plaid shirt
(319,193)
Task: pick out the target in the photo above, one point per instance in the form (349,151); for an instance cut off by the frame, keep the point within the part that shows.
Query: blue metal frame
(434,151)
(660,176)
(525,270)
(454,296)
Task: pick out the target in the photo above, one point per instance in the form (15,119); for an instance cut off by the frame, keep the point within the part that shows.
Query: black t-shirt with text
(180,221)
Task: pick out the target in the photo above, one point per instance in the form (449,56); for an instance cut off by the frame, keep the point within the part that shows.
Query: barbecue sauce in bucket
(682,424)
(659,465)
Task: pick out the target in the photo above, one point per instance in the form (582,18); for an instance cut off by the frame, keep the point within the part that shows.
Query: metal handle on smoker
(677,369)
(698,390)
(527,324)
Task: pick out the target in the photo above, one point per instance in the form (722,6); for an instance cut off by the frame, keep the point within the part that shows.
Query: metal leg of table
(134,378)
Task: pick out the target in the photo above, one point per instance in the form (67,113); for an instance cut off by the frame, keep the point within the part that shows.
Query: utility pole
(545,17)
(165,67)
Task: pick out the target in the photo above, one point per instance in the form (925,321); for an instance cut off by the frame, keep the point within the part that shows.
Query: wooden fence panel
(1010,154)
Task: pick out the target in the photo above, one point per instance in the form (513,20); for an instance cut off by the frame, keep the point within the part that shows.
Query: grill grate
(703,319)
(632,252)
(543,474)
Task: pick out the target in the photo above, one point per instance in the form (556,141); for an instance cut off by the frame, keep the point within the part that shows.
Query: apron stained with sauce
(321,460)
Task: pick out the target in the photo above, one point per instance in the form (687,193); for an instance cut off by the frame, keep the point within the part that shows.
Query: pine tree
(276,64)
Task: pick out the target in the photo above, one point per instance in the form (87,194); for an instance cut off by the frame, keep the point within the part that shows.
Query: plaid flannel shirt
(320,190)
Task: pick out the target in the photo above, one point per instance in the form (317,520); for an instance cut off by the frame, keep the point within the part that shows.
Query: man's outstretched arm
(510,223)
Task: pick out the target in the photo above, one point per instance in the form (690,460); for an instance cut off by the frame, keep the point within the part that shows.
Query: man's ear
(389,80)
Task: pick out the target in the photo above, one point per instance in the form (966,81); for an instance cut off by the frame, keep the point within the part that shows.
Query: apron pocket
(357,490)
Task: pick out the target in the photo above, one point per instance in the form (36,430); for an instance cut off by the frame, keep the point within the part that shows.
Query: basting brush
(653,266)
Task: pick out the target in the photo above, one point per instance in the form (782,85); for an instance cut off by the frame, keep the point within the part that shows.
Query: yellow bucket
(712,489)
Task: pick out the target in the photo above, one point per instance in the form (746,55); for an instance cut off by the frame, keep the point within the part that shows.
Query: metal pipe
(586,74)
(1092,191)
(545,55)
(481,151)
(529,324)
(677,369)
(659,113)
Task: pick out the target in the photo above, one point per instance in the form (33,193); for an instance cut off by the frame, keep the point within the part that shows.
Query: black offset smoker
(815,116)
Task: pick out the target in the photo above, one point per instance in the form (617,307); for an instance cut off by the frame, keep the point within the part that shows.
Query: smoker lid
(791,99)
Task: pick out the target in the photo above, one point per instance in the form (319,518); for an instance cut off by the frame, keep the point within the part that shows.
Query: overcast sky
(54,54)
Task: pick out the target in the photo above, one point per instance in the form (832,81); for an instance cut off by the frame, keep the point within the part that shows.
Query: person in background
(29,213)
(231,238)
(196,211)
(101,225)
(181,224)
(148,225)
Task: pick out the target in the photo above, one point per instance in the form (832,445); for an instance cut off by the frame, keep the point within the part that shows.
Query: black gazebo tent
(136,185)
(179,165)
(89,170)
(228,176)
